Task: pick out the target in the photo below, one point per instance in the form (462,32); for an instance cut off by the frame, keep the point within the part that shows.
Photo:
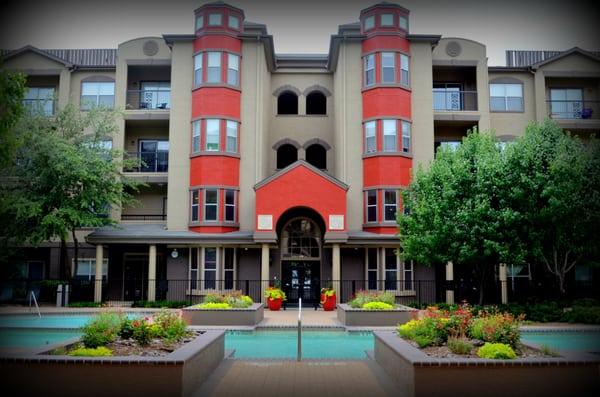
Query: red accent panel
(301,187)
(215,170)
(392,229)
(213,229)
(386,101)
(216,101)
(386,170)
(385,43)
(214,42)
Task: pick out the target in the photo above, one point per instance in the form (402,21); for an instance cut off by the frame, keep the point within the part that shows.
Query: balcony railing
(149,99)
(150,161)
(447,100)
(143,217)
(45,107)
(573,109)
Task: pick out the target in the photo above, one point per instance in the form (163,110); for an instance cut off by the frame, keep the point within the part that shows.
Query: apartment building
(263,167)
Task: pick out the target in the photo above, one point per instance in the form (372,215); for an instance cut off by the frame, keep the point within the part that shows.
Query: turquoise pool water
(13,338)
(49,320)
(315,344)
(581,341)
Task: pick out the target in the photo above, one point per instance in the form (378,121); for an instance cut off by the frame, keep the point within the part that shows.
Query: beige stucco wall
(507,124)
(150,200)
(422,103)
(151,130)
(32,63)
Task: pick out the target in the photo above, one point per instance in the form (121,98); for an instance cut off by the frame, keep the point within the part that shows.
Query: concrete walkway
(266,378)
(310,318)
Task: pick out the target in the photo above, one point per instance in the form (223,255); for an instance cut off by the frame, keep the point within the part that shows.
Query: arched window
(316,103)
(317,156)
(286,155)
(301,238)
(287,103)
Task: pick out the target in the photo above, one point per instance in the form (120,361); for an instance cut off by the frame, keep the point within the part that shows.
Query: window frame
(371,22)
(404,61)
(206,135)
(196,136)
(506,97)
(389,55)
(372,137)
(372,284)
(231,205)
(386,204)
(37,101)
(205,285)
(84,107)
(198,69)
(232,270)
(92,268)
(394,147)
(400,19)
(369,206)
(387,25)
(386,270)
(235,70)
(234,136)
(233,17)
(406,136)
(215,14)
(206,204)
(193,268)
(215,55)
(367,69)
(198,26)
(195,205)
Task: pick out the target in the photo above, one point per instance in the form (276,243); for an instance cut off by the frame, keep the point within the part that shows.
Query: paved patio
(310,318)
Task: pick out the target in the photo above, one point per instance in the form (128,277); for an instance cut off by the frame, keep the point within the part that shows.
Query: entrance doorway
(301,279)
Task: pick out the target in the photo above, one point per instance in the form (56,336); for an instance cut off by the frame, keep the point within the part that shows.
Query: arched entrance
(301,251)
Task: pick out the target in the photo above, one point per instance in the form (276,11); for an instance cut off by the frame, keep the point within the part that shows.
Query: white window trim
(374,136)
(505,97)
(220,66)
(219,270)
(367,205)
(365,62)
(218,149)
(397,193)
(198,61)
(225,205)
(393,67)
(91,276)
(192,205)
(236,136)
(204,203)
(409,128)
(383,123)
(237,69)
(404,56)
(216,269)
(197,132)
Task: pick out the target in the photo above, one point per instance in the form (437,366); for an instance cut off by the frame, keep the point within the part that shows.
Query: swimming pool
(588,341)
(315,344)
(18,338)
(50,320)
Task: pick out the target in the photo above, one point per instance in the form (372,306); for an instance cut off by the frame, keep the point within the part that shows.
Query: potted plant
(275,298)
(328,299)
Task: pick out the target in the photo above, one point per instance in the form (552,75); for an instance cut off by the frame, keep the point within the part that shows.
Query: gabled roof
(301,163)
(80,58)
(574,50)
(28,48)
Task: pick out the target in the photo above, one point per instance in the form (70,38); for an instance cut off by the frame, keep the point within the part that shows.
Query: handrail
(32,295)
(299,329)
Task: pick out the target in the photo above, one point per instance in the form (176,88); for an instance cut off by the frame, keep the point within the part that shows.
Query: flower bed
(374,309)
(225,309)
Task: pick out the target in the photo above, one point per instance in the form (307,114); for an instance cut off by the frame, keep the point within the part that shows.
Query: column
(449,279)
(98,276)
(64,88)
(152,273)
(264,270)
(503,284)
(336,271)
(541,109)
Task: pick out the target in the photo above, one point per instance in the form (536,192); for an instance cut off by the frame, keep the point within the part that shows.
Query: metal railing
(143,217)
(157,161)
(454,101)
(45,107)
(573,109)
(32,298)
(149,99)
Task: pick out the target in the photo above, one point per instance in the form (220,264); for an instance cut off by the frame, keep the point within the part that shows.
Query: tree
(65,178)
(555,191)
(12,90)
(456,211)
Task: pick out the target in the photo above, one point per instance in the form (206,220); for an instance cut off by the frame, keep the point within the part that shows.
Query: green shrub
(126,331)
(273,293)
(583,314)
(214,305)
(233,299)
(423,341)
(142,332)
(85,304)
(101,330)
(549,351)
(429,330)
(377,306)
(363,297)
(496,351)
(161,304)
(171,326)
(100,351)
(459,346)
(496,328)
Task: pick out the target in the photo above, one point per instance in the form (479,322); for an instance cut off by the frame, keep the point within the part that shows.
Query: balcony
(144,217)
(575,114)
(149,99)
(451,100)
(150,205)
(156,161)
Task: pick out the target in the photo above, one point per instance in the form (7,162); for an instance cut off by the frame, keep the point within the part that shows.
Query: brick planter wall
(373,318)
(249,316)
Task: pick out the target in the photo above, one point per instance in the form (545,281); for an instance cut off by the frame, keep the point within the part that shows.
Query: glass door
(301,280)
(447,96)
(154,155)
(566,103)
(155,95)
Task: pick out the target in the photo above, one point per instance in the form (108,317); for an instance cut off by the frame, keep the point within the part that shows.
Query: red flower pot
(274,304)
(328,302)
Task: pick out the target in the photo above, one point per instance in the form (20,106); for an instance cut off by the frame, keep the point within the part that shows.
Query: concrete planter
(249,316)
(416,374)
(373,318)
(178,374)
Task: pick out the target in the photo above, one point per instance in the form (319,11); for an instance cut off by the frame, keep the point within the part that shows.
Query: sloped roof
(301,163)
(525,58)
(84,57)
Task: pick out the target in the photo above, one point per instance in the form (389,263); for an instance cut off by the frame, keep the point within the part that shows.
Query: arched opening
(316,103)
(287,103)
(286,155)
(317,156)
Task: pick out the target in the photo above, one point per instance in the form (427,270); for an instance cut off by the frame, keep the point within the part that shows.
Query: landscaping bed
(374,309)
(224,309)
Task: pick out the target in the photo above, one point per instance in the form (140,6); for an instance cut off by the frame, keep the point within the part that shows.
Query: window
(199,22)
(233,67)
(286,154)
(214,19)
(371,205)
(566,103)
(287,103)
(317,156)
(388,67)
(97,94)
(229,205)
(369,22)
(405,136)
(195,205)
(404,78)
(86,269)
(408,275)
(369,70)
(154,155)
(390,205)
(210,268)
(231,144)
(316,103)
(211,205)
(389,135)
(506,97)
(387,19)
(371,136)
(448,145)
(391,269)
(196,136)
(403,22)
(198,69)
(214,67)
(193,268)
(234,22)
(229,268)
(212,135)
(39,100)
(372,268)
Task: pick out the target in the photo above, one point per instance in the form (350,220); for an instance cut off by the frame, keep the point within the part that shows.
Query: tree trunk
(75,248)
(64,259)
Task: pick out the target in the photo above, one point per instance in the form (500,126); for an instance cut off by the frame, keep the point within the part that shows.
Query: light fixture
(174,253)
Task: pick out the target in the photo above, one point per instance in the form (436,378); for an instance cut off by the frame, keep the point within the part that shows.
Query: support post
(449,280)
(503,286)
(98,274)
(264,271)
(152,273)
(336,272)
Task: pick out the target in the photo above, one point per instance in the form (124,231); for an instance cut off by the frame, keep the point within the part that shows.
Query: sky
(303,26)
